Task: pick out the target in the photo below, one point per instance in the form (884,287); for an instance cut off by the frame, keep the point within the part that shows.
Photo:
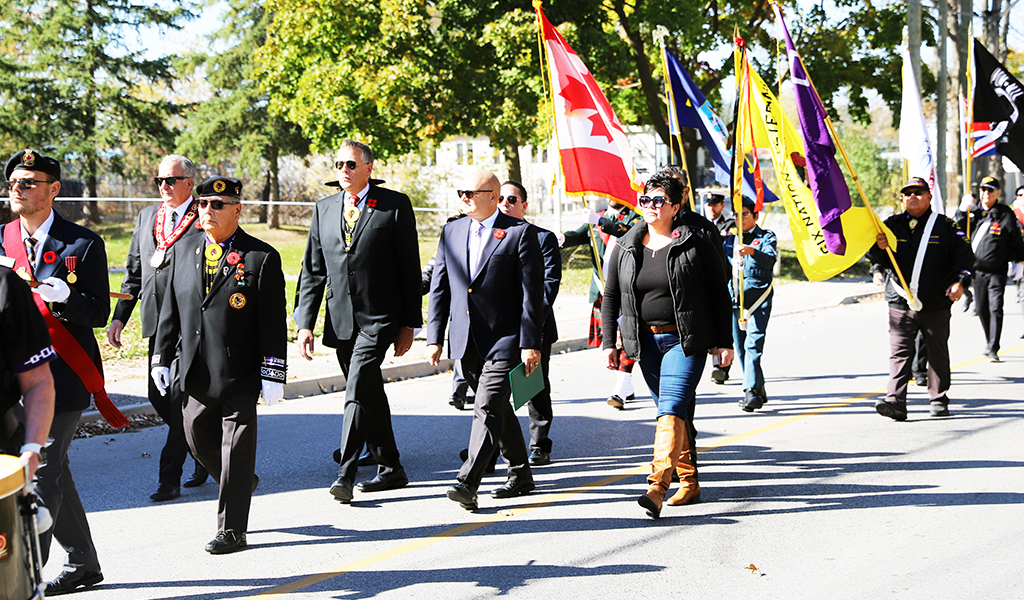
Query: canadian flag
(592,145)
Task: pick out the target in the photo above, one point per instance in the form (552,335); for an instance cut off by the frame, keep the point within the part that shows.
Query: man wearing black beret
(69,262)
(225,300)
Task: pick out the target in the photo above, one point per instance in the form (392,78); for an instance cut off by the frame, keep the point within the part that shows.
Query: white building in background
(541,173)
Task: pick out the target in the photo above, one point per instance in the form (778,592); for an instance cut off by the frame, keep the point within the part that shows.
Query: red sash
(64,343)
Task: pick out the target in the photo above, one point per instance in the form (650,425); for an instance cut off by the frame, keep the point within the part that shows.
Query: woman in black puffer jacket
(669,286)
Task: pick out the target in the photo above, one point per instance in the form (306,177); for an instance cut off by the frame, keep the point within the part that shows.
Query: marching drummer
(25,354)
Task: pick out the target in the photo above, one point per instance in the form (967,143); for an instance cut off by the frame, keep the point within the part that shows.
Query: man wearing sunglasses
(148,267)
(224,303)
(489,280)
(936,262)
(513,203)
(70,262)
(363,254)
(997,243)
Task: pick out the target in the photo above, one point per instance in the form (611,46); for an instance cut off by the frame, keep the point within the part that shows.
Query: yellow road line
(311,580)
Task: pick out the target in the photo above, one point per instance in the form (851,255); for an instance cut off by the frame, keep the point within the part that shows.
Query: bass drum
(19,575)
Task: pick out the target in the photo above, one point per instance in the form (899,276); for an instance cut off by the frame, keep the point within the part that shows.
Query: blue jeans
(750,344)
(671,375)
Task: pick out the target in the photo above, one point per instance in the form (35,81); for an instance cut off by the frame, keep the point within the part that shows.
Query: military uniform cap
(31,160)
(220,186)
(915,182)
(749,204)
(710,198)
(989,183)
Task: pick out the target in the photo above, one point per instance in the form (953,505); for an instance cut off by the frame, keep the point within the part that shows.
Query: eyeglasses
(341,164)
(170,181)
(25,184)
(215,204)
(655,202)
(913,192)
(511,198)
(746,214)
(470,194)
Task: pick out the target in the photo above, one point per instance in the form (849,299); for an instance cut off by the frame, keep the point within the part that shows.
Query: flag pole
(545,76)
(970,122)
(860,190)
(738,159)
(659,37)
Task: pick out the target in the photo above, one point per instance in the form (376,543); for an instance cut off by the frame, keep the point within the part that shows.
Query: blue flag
(691,109)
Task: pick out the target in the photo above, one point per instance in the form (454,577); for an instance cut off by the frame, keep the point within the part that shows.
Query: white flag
(914,145)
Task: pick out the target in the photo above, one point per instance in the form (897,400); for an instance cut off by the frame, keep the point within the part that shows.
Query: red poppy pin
(675,234)
(371,203)
(758,242)
(499,234)
(233,258)
(50,257)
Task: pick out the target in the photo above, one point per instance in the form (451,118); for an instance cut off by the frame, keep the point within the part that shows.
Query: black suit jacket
(503,306)
(223,345)
(552,257)
(142,281)
(87,307)
(371,287)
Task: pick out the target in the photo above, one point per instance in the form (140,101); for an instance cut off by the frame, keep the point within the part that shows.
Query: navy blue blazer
(503,306)
(87,307)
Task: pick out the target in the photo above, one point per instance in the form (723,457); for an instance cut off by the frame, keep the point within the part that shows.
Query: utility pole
(914,37)
(941,125)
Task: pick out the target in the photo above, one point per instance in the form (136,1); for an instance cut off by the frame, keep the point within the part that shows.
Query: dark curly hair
(673,189)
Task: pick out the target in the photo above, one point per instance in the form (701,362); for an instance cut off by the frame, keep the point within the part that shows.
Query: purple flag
(828,186)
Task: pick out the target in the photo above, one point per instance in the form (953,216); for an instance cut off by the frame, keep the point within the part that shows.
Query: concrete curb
(301,388)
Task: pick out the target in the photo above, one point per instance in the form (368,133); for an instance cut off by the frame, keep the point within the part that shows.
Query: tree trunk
(515,170)
(273,217)
(90,210)
(643,68)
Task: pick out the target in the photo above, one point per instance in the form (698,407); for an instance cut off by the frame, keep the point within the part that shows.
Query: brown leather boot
(686,469)
(668,439)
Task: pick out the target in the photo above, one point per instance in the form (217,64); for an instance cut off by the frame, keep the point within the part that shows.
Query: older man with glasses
(936,261)
(147,269)
(363,254)
(224,304)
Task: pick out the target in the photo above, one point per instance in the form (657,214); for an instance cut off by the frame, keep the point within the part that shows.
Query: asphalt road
(815,496)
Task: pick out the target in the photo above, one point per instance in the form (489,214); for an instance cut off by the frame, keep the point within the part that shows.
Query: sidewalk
(572,313)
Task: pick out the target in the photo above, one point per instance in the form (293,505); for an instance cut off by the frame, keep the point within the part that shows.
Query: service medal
(72,278)
(157,260)
(23,273)
(237,300)
(213,252)
(913,223)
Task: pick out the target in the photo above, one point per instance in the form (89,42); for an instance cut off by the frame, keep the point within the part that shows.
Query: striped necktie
(30,245)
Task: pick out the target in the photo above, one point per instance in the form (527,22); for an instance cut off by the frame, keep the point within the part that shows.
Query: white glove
(1016,271)
(273,392)
(561,238)
(162,379)
(737,261)
(53,290)
(591,217)
(967,203)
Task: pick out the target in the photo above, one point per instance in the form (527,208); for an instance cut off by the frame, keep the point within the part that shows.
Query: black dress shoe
(165,492)
(387,480)
(226,542)
(341,489)
(520,486)
(751,401)
(457,402)
(539,458)
(461,493)
(896,412)
(198,477)
(72,581)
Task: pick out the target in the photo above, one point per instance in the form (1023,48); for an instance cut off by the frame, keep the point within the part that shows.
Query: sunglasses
(341,164)
(25,184)
(511,198)
(913,192)
(170,181)
(655,202)
(470,194)
(214,204)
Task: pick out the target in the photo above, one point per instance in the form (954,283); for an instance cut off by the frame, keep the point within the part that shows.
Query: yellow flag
(772,129)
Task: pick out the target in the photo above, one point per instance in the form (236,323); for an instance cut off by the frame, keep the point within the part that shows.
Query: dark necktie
(30,245)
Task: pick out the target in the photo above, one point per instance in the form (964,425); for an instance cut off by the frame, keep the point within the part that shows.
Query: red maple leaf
(577,97)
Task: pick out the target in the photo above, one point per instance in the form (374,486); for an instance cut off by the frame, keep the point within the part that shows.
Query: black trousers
(367,413)
(169,407)
(540,407)
(222,436)
(494,422)
(989,289)
(904,326)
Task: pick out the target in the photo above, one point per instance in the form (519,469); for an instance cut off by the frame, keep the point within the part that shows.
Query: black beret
(33,161)
(220,186)
(749,204)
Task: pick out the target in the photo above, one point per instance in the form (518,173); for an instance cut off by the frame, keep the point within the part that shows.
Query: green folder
(525,388)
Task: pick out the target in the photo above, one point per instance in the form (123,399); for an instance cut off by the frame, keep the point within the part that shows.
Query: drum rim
(14,480)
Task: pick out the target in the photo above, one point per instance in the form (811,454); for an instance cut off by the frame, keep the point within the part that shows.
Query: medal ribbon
(64,343)
(164,242)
